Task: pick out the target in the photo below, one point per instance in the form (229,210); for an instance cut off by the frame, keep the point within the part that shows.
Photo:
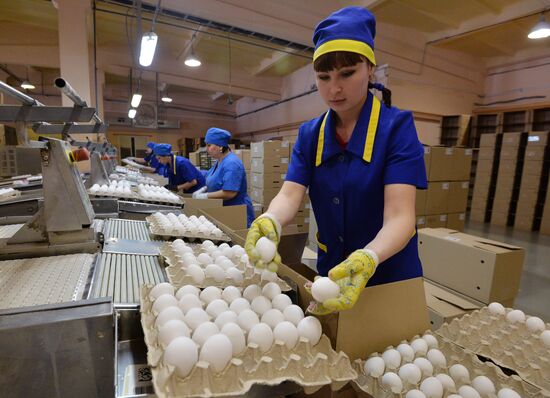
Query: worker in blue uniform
(227,178)
(362,162)
(150,160)
(181,174)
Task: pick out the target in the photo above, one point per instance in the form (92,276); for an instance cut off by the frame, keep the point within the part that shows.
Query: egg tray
(136,198)
(178,278)
(511,345)
(367,386)
(9,195)
(312,367)
(161,234)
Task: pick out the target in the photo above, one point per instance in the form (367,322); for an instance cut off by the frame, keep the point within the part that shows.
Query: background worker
(181,174)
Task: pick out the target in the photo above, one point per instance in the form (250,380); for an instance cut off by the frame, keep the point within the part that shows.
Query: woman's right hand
(267,226)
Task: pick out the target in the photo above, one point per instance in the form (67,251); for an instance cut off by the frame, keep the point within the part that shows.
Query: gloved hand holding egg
(262,241)
(345,283)
(200,193)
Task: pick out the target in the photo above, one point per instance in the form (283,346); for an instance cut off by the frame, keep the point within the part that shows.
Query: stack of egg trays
(369,386)
(312,367)
(132,196)
(161,234)
(510,345)
(179,278)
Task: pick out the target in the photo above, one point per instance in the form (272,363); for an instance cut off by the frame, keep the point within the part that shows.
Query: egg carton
(312,367)
(369,386)
(162,234)
(511,345)
(179,278)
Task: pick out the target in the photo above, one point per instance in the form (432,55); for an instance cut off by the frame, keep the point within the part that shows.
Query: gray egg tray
(159,233)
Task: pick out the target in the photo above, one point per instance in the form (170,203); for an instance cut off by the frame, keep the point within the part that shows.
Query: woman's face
(214,151)
(345,89)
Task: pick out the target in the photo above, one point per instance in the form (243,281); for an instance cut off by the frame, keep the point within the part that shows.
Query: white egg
(515,316)
(238,251)
(210,294)
(410,373)
(196,273)
(251,292)
(217,351)
(508,393)
(419,346)
(216,254)
(186,249)
(468,392)
(260,305)
(425,366)
(545,338)
(310,328)
(266,248)
(392,358)
(195,316)
(447,382)
(168,314)
(216,307)
(432,387)
(272,317)
(223,246)
(160,289)
(179,243)
(244,259)
(164,301)
(189,259)
(324,288)
(262,335)
(483,385)
(236,335)
(204,230)
(267,275)
(281,301)
(187,289)
(225,317)
(204,259)
(227,252)
(226,264)
(535,324)
(293,313)
(215,272)
(437,358)
(454,396)
(235,275)
(459,373)
(247,319)
(204,331)
(220,259)
(270,290)
(374,366)
(239,304)
(392,381)
(415,394)
(189,301)
(207,243)
(231,293)
(212,251)
(182,353)
(406,351)
(172,329)
(431,340)
(287,333)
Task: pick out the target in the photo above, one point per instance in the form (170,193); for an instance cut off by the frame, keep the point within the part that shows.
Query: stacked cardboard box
(244,155)
(443,204)
(268,166)
(484,176)
(545,221)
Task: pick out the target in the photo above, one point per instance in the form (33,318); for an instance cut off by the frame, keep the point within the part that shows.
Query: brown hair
(337,60)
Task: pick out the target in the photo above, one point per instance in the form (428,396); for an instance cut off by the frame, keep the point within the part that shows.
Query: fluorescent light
(136,99)
(132,113)
(148,45)
(165,98)
(27,85)
(540,30)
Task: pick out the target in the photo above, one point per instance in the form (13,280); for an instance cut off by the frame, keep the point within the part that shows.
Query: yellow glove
(268,226)
(351,275)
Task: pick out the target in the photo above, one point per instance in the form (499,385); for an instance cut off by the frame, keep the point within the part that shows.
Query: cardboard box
(264,196)
(486,153)
(507,153)
(427,159)
(233,217)
(545,222)
(528,198)
(499,218)
(508,166)
(524,218)
(421,222)
(487,140)
(244,155)
(530,182)
(193,206)
(511,139)
(477,214)
(479,200)
(483,269)
(484,166)
(441,163)
(534,167)
(436,221)
(421,195)
(269,149)
(267,180)
(194,158)
(456,221)
(538,138)
(458,196)
(269,165)
(483,179)
(501,204)
(444,305)
(534,152)
(505,181)
(462,164)
(437,196)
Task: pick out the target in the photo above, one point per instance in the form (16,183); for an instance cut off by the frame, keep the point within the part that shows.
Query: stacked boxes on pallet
(545,219)
(244,155)
(484,177)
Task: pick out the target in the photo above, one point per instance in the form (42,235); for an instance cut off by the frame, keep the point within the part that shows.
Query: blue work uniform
(229,175)
(153,162)
(181,170)
(346,186)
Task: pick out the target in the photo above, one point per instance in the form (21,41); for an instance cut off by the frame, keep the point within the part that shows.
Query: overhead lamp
(192,61)
(27,85)
(132,113)
(148,46)
(540,30)
(136,99)
(166,98)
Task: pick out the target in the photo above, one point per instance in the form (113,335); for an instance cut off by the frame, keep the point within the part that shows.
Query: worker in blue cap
(150,160)
(362,162)
(227,178)
(181,174)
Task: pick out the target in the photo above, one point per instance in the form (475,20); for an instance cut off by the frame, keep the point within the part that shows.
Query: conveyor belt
(126,229)
(43,280)
(7,231)
(120,276)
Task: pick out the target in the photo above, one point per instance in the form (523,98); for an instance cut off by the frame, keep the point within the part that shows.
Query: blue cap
(349,29)
(162,149)
(151,145)
(217,136)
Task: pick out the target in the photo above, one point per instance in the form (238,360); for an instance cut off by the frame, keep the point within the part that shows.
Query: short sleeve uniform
(181,171)
(346,186)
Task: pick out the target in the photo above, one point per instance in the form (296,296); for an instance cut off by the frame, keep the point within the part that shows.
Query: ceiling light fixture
(136,99)
(148,46)
(27,85)
(540,30)
(132,113)
(192,61)
(166,98)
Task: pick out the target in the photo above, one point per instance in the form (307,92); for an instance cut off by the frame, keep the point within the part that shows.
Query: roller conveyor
(7,231)
(126,229)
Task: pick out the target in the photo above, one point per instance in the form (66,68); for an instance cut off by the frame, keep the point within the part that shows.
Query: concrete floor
(534,294)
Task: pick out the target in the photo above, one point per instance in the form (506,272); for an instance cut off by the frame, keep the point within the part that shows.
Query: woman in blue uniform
(362,162)
(227,178)
(150,160)
(181,174)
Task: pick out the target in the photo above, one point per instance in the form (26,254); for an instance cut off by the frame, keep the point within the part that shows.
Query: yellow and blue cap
(162,149)
(350,29)
(217,136)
